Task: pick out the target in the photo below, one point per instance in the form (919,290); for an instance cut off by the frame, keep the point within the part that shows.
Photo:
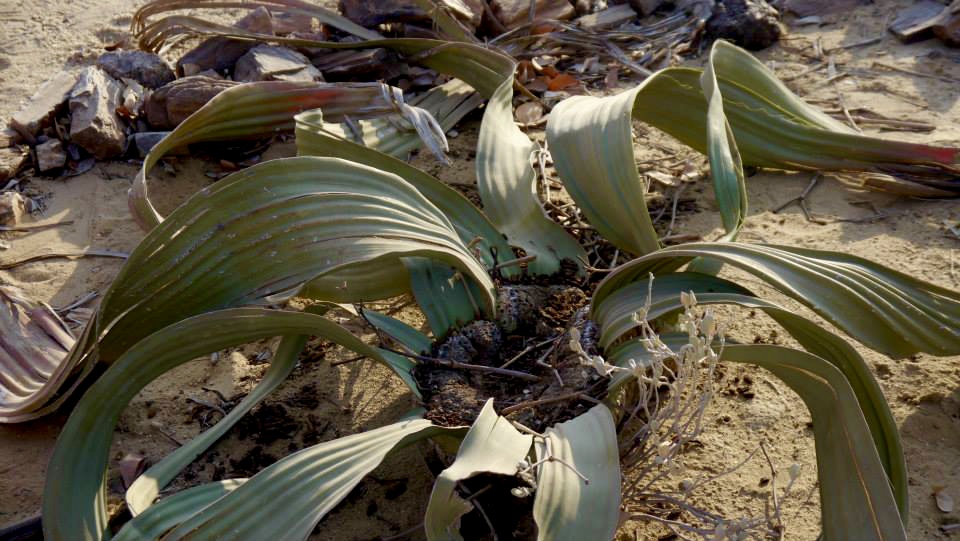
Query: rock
(272,63)
(752,24)
(12,161)
(367,65)
(806,8)
(10,137)
(174,102)
(947,27)
(12,208)
(608,18)
(44,105)
(514,13)
(94,123)
(220,54)
(371,13)
(145,68)
(50,156)
(144,141)
(645,7)
(916,22)
(291,23)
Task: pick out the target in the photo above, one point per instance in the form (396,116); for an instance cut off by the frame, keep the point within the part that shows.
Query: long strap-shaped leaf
(568,506)
(315,138)
(774,128)
(148,485)
(505,176)
(175,509)
(288,499)
(275,226)
(886,310)
(260,232)
(255,110)
(75,494)
(492,445)
(443,298)
(616,321)
(855,495)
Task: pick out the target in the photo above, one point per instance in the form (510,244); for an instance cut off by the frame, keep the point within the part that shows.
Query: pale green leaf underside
(492,445)
(565,507)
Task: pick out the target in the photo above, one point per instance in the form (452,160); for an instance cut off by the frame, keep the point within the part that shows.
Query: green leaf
(725,164)
(566,506)
(287,499)
(591,143)
(314,138)
(775,128)
(75,494)
(505,180)
(411,338)
(505,177)
(257,110)
(855,493)
(492,445)
(147,486)
(885,310)
(174,509)
(243,241)
(445,298)
(615,321)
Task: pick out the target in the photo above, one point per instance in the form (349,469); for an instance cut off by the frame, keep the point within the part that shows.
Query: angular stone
(272,63)
(9,137)
(50,155)
(916,22)
(94,123)
(947,27)
(12,161)
(645,7)
(171,104)
(12,208)
(146,68)
(807,8)
(145,141)
(514,13)
(44,105)
(752,24)
(220,54)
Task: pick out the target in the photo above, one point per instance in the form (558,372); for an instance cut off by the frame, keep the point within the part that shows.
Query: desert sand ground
(41,37)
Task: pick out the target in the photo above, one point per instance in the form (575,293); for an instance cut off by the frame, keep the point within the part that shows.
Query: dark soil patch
(267,424)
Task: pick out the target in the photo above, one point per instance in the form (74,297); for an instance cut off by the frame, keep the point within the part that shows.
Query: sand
(322,402)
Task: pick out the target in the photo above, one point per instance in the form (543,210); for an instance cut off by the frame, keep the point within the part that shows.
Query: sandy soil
(321,402)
